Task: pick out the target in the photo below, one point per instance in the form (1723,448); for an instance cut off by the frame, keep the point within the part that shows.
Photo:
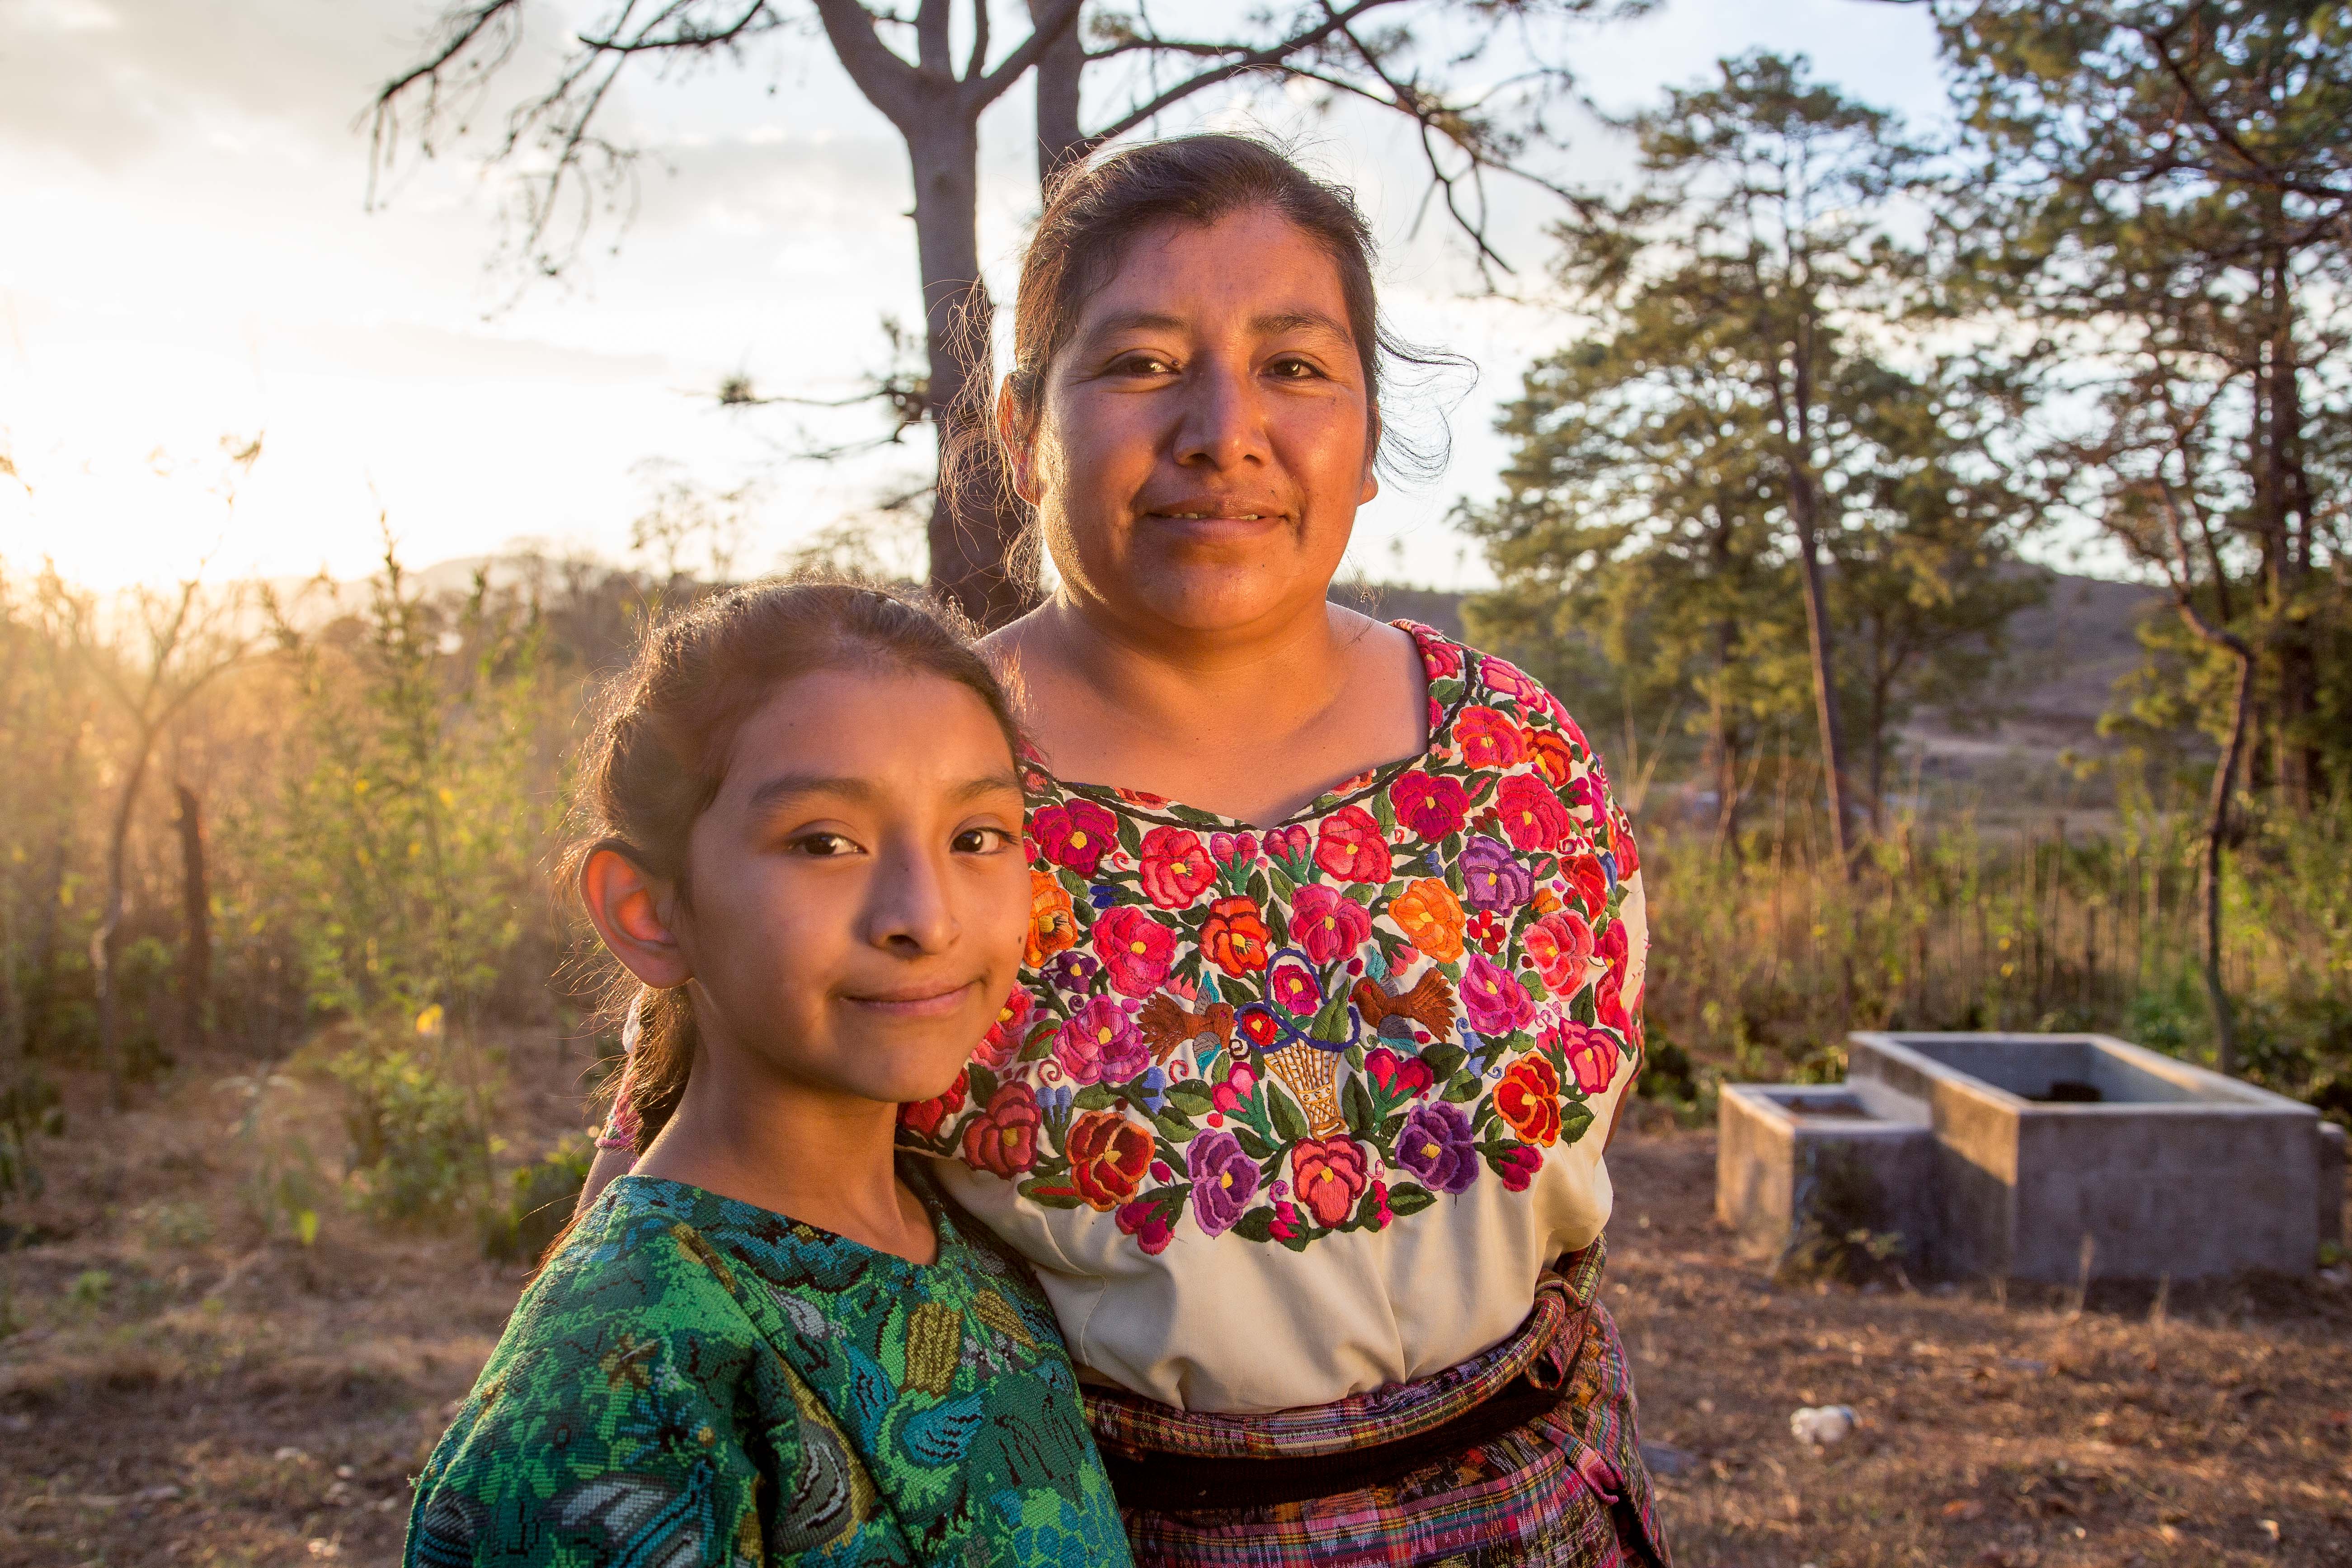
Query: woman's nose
(909,908)
(1223,423)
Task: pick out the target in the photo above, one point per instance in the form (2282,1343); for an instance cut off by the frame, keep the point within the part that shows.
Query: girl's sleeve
(664,1433)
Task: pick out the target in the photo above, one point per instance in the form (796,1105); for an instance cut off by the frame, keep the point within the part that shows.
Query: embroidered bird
(1429,1004)
(643,1520)
(1166,1024)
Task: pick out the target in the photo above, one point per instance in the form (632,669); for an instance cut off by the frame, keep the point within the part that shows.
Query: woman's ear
(632,913)
(1371,461)
(1020,447)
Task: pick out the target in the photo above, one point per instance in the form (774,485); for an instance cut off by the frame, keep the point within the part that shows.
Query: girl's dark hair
(661,745)
(1098,208)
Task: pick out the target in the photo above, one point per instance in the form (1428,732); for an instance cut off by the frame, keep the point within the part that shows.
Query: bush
(418,1155)
(538,1203)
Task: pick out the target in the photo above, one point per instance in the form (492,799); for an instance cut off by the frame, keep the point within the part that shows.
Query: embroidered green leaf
(1331,1023)
(1289,1122)
(1195,817)
(1448,692)
(1581,1008)
(1357,1107)
(1486,1114)
(1073,883)
(1257,1225)
(1484,787)
(982,1083)
(1052,1197)
(1129,839)
(1094,1096)
(1574,1117)
(1406,1198)
(1252,1145)
(1383,811)
(1363,893)
(1277,880)
(1190,1100)
(1463,1088)
(1174,1127)
(1444,1059)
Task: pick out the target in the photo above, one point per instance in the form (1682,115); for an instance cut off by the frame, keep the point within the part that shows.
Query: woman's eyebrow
(1283,322)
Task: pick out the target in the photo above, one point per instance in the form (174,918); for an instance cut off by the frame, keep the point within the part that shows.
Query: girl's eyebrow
(786,788)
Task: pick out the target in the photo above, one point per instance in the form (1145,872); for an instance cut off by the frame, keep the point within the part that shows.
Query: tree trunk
(1060,141)
(2217,827)
(195,917)
(976,521)
(1804,511)
(103,942)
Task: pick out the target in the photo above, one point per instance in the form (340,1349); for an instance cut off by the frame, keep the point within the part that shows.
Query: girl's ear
(632,912)
(1020,447)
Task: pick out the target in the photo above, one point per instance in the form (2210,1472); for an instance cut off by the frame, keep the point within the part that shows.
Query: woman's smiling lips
(925,1001)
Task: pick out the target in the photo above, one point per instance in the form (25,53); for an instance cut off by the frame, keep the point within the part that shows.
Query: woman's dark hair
(1095,209)
(661,745)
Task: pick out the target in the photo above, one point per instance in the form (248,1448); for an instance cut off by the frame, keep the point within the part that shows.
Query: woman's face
(1206,434)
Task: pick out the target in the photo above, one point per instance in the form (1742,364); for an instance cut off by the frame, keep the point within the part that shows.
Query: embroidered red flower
(1397,1075)
(1439,656)
(1327,924)
(1329,1175)
(1528,1098)
(1235,937)
(1587,883)
(1489,739)
(1077,834)
(1532,817)
(1174,866)
(1501,675)
(1147,1222)
(1294,985)
(1517,1165)
(923,1117)
(1137,951)
(1562,945)
(1108,1155)
(1621,839)
(1004,1039)
(1431,805)
(1349,845)
(1591,1055)
(1003,1139)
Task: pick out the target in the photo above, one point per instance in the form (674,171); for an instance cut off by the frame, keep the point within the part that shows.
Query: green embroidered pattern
(693,1381)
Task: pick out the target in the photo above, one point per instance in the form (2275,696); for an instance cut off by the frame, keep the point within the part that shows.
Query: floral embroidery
(1327,1025)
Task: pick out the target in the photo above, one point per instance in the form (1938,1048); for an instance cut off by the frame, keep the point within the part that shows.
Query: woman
(1335,964)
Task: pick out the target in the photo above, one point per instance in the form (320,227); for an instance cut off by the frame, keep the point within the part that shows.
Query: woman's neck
(1252,722)
(745,1133)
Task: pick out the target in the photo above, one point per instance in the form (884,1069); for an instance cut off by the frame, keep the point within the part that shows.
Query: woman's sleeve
(666,1432)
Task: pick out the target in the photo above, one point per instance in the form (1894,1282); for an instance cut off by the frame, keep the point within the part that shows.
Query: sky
(189,261)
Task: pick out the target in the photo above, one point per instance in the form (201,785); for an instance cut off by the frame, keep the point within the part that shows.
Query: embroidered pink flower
(1501,675)
(1002,1043)
(1431,805)
(1397,1075)
(1294,986)
(1003,1139)
(1077,834)
(1174,866)
(924,1117)
(1493,1002)
(1145,1220)
(1439,658)
(1488,739)
(1238,1086)
(1532,815)
(1327,924)
(1101,1043)
(1349,845)
(1226,849)
(1292,844)
(1137,951)
(1621,839)
(1517,1165)
(1591,1055)
(1562,945)
(1329,1175)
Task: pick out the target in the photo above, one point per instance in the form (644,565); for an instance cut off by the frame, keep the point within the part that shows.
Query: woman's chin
(1208,599)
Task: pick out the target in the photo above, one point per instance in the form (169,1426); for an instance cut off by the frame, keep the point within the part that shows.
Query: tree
(2162,190)
(1367,51)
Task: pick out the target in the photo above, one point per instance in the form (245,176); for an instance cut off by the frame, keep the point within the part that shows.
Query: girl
(1333,986)
(770,1342)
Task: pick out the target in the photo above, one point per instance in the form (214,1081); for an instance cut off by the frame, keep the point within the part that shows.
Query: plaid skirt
(1560,1485)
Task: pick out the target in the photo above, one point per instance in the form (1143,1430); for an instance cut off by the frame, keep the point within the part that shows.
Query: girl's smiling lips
(929,1000)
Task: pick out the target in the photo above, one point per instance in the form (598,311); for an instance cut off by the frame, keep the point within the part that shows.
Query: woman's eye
(1143,365)
(1288,369)
(981,840)
(826,846)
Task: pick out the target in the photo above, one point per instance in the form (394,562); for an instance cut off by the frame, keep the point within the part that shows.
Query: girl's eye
(981,840)
(826,846)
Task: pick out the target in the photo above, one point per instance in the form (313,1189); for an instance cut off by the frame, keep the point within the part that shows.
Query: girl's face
(1206,434)
(859,895)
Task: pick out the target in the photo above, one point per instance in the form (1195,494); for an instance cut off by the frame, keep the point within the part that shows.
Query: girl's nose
(909,907)
(1223,423)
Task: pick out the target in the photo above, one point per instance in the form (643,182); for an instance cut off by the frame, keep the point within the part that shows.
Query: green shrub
(539,1202)
(418,1154)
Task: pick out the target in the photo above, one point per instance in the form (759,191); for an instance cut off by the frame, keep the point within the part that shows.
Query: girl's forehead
(903,731)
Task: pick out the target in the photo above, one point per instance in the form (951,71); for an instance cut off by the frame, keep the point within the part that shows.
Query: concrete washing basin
(2015,1154)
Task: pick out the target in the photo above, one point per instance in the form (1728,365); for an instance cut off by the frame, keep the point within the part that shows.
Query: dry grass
(229,1399)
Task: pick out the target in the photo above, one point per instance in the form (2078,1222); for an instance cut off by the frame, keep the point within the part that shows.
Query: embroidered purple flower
(1492,877)
(1072,971)
(1101,1042)
(1493,1002)
(1294,985)
(1435,1145)
(1225,1180)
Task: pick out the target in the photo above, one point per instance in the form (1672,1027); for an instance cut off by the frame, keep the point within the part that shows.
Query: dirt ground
(178,1388)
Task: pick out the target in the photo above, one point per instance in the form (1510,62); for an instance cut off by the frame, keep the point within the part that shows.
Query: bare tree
(906,65)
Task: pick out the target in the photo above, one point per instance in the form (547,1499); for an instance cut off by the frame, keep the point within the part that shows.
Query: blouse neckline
(753,1220)
(1152,807)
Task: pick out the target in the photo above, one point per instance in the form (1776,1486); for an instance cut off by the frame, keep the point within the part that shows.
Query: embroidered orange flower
(1528,1098)
(1552,753)
(1234,936)
(1329,1175)
(1108,1155)
(1051,925)
(1430,917)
